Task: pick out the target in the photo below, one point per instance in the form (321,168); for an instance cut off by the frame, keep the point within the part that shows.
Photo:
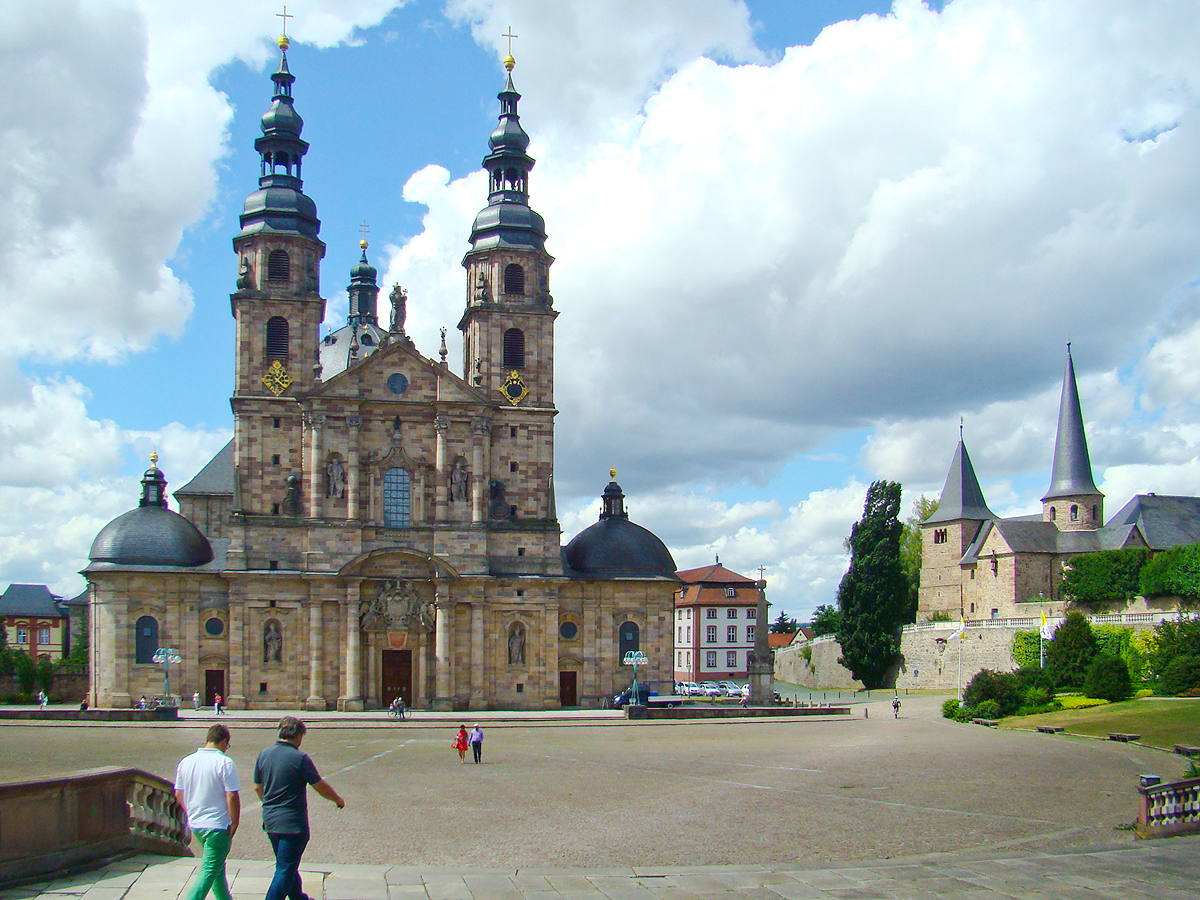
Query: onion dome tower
(508,325)
(151,535)
(361,335)
(615,547)
(1073,503)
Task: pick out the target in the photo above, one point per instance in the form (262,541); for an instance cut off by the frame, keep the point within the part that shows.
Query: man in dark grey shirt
(282,775)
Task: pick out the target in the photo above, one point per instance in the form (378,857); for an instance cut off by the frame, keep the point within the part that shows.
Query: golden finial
(509,62)
(363,229)
(154,458)
(363,244)
(284,43)
(612,473)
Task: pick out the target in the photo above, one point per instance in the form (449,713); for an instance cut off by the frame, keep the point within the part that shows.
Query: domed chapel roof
(615,547)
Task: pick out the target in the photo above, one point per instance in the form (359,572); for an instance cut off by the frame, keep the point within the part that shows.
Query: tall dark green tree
(785,624)
(874,596)
(826,620)
(1070,654)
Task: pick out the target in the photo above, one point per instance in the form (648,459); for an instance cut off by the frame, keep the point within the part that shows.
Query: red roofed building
(716,617)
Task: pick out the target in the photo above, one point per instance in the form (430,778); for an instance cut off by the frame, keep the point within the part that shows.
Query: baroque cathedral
(380,526)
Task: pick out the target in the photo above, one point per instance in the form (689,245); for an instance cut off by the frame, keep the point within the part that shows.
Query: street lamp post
(166,656)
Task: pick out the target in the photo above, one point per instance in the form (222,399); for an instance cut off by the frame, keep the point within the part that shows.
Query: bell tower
(508,325)
(277,307)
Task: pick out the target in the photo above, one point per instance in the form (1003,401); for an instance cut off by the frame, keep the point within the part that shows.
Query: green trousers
(211,875)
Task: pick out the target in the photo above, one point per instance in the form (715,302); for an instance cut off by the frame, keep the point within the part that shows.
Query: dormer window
(730,592)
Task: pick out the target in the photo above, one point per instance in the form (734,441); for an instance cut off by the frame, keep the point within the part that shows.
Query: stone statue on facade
(516,645)
(245,279)
(291,499)
(335,473)
(311,284)
(482,292)
(398,607)
(399,298)
(497,503)
(272,642)
(458,482)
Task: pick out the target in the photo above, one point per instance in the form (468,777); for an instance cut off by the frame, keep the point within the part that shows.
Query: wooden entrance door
(568,694)
(397,677)
(214,683)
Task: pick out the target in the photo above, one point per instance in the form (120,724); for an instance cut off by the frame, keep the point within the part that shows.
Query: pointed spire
(962,497)
(1072,472)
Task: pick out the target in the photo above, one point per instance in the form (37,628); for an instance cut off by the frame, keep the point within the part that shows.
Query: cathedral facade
(380,526)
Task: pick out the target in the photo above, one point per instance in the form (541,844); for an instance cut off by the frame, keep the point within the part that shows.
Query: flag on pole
(1047,630)
(961,632)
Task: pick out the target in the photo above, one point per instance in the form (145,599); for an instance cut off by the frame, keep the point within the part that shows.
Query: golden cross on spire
(363,229)
(508,34)
(285,16)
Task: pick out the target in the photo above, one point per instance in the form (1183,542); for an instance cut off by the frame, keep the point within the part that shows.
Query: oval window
(568,630)
(214,627)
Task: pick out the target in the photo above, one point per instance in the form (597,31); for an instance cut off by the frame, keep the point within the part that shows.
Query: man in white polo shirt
(206,786)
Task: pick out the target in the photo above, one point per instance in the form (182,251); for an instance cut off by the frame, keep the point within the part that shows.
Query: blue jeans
(288,850)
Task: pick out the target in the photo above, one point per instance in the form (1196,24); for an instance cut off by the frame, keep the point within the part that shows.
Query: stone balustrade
(59,825)
(1169,808)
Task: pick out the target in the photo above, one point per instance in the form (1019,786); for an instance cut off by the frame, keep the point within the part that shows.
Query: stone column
(762,666)
(351,699)
(442,662)
(353,423)
(479,480)
(478,698)
(235,690)
(441,425)
(316,489)
(316,698)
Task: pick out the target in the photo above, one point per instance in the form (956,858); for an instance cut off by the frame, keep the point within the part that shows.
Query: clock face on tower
(277,379)
(514,389)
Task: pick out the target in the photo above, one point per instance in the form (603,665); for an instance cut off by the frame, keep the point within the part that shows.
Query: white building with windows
(716,620)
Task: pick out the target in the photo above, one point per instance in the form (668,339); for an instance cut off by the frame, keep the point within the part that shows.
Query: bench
(1050,729)
(1123,738)
(1185,750)
(987,723)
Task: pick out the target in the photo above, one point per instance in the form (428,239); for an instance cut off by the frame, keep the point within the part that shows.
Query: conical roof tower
(1073,502)
(962,497)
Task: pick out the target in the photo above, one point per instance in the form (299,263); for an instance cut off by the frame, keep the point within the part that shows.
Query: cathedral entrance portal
(397,677)
(214,683)
(568,690)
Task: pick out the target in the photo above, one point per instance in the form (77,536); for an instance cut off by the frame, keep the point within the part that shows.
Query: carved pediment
(399,606)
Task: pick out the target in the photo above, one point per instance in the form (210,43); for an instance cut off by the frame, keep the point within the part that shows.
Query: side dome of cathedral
(151,535)
(615,547)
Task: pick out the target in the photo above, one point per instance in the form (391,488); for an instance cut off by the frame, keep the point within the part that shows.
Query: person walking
(460,743)
(216,704)
(196,701)
(282,775)
(476,741)
(896,707)
(207,787)
(42,699)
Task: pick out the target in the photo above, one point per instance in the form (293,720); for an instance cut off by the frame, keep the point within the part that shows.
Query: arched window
(1053,514)
(277,337)
(145,640)
(397,498)
(279,266)
(1074,513)
(1095,514)
(514,279)
(627,638)
(514,349)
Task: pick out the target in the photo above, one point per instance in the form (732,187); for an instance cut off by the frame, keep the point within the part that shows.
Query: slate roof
(30,600)
(1072,472)
(1025,535)
(1164,521)
(962,497)
(216,477)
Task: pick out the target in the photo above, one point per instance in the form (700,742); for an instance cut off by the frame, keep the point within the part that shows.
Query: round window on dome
(568,631)
(214,627)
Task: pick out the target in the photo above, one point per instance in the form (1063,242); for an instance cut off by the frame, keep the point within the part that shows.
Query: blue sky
(789,256)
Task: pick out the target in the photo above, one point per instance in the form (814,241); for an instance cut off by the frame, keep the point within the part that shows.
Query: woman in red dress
(460,743)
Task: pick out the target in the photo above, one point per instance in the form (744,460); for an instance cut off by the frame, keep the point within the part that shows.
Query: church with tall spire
(380,526)
(977,565)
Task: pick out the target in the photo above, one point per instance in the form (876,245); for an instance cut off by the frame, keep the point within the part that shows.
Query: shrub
(1181,675)
(1173,639)
(1038,696)
(1107,679)
(965,714)
(950,708)
(988,709)
(1026,649)
(1002,687)
(1173,572)
(1104,575)
(1070,653)
(26,672)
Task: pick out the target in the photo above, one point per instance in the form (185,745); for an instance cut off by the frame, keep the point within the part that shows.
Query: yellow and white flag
(961,633)
(1047,630)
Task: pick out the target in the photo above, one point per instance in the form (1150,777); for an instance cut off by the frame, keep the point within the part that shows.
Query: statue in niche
(482,293)
(272,642)
(458,482)
(245,279)
(516,645)
(291,499)
(497,503)
(335,473)
(399,298)
(310,273)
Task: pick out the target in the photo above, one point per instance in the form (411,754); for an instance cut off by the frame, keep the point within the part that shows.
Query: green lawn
(1161,723)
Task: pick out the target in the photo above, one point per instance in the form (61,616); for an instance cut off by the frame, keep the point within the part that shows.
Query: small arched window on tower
(514,349)
(277,337)
(1095,515)
(279,266)
(514,279)
(1053,514)
(1074,513)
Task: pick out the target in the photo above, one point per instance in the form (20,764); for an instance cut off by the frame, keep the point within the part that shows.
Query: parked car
(710,689)
(690,689)
(731,688)
(627,696)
